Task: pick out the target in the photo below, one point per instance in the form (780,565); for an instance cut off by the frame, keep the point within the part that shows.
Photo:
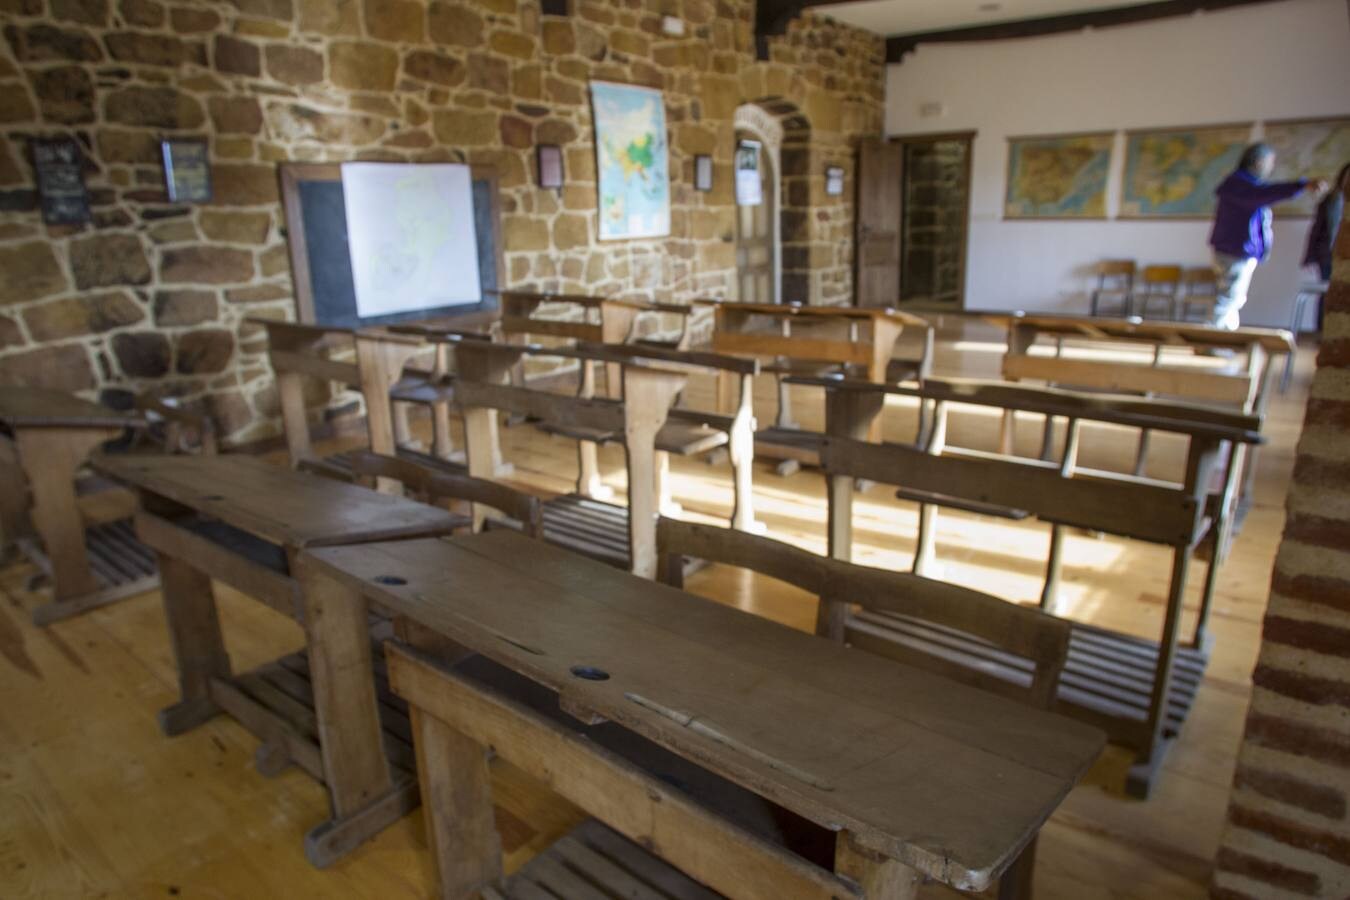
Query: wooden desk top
(943,777)
(1273,340)
(28,407)
(790,310)
(275,503)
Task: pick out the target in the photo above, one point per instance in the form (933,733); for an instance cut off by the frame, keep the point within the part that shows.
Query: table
(54,433)
(241,521)
(926,774)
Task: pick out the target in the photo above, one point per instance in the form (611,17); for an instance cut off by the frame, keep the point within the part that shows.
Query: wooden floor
(95,802)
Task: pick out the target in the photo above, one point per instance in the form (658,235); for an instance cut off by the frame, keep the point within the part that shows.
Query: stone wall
(933,263)
(153,295)
(1288,831)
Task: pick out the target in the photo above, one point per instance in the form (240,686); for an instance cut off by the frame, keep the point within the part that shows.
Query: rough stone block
(363,65)
(107,259)
(77,316)
(31,272)
(158,107)
(202,264)
(294,65)
(142,354)
(204,352)
(64,367)
(66,94)
(454,23)
(235,115)
(435,67)
(237,57)
(236,227)
(400,21)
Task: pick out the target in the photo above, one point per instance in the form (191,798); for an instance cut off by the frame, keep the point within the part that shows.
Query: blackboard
(316,221)
(60,181)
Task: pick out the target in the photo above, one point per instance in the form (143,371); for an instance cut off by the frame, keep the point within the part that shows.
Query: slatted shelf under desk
(121,564)
(1107,681)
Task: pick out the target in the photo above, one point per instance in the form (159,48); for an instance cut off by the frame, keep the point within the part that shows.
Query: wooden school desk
(907,774)
(54,433)
(240,521)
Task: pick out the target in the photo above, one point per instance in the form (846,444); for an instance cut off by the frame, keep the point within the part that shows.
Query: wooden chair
(438,487)
(1199,292)
(1157,285)
(879,611)
(1139,691)
(1115,280)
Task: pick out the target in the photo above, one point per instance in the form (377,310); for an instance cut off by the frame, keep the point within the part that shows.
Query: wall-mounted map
(1307,149)
(630,157)
(1172,173)
(1058,177)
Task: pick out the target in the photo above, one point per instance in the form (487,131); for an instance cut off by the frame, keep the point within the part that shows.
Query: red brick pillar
(1288,831)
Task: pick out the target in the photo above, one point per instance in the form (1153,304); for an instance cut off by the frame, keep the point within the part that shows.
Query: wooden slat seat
(590,527)
(1107,679)
(688,439)
(601,863)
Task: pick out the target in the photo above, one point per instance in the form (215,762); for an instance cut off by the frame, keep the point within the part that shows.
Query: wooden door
(880,166)
(755,236)
(935,217)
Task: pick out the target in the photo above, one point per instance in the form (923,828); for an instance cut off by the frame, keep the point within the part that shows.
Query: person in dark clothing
(1241,236)
(1326,222)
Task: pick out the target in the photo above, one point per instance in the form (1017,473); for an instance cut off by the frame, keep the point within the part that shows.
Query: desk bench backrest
(1026,633)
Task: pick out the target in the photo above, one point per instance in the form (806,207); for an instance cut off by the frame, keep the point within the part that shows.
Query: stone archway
(786,134)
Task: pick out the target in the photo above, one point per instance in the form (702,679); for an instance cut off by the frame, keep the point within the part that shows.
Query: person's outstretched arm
(1244,193)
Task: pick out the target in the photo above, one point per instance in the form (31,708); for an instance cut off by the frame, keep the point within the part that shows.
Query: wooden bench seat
(970,506)
(594,861)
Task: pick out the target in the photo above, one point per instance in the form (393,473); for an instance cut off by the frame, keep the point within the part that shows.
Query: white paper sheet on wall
(410,232)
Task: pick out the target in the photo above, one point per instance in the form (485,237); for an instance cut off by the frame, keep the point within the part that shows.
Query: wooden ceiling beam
(898,45)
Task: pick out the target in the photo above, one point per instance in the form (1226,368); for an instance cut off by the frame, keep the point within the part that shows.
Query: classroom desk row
(625,695)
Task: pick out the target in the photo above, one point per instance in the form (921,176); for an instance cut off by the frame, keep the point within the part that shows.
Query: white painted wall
(1278,60)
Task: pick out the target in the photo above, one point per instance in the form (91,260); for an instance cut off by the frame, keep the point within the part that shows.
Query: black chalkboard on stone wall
(316,222)
(60,181)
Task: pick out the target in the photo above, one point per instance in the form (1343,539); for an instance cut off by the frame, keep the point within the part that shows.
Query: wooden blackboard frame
(293,175)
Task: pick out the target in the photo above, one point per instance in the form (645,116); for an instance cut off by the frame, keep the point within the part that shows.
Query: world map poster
(1307,149)
(1172,173)
(631,159)
(1062,177)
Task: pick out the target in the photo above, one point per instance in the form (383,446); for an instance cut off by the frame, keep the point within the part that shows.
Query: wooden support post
(664,501)
(1221,533)
(848,414)
(648,395)
(1055,559)
(588,453)
(1020,339)
(294,419)
(380,359)
(741,449)
(457,796)
(925,547)
(51,457)
(885,333)
(14,522)
(617,324)
(198,646)
(356,771)
(442,445)
(879,876)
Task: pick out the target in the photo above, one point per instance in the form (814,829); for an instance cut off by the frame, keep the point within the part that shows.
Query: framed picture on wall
(749,183)
(1058,176)
(550,163)
(59,164)
(703,172)
(187,170)
(834,181)
(631,160)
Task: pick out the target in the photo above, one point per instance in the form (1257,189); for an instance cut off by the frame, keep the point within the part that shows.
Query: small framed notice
(60,181)
(834,180)
(749,188)
(550,160)
(187,170)
(703,172)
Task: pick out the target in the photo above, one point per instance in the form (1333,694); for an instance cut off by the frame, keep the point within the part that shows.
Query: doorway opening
(934,220)
(758,245)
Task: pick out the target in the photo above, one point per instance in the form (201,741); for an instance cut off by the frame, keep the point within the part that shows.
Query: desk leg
(14,522)
(198,647)
(50,459)
(1139,780)
(364,796)
(457,797)
(880,877)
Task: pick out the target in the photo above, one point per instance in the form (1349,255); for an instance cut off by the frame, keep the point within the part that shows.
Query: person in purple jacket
(1241,237)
